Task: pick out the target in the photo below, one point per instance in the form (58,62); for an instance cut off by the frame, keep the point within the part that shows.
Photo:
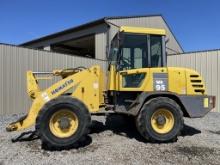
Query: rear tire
(75,119)
(160,120)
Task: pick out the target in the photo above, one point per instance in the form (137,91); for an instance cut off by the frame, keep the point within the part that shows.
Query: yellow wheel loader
(138,84)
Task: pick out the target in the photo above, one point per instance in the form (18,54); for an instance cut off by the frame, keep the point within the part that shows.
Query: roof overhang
(81,27)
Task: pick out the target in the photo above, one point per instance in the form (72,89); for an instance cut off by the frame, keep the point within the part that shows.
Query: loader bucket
(35,94)
(13,126)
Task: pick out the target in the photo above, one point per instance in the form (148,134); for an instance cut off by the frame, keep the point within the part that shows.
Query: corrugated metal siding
(15,61)
(100,42)
(207,64)
(150,22)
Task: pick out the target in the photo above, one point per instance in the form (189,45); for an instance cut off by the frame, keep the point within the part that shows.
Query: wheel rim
(63,123)
(162,121)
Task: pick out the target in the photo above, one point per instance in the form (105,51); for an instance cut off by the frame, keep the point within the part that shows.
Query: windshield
(136,51)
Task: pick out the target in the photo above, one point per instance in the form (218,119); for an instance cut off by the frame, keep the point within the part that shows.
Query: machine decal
(68,82)
(160,81)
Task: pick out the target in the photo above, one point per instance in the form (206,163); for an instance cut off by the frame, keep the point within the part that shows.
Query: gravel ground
(115,141)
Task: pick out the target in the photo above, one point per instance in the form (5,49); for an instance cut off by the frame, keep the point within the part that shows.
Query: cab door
(138,54)
(133,70)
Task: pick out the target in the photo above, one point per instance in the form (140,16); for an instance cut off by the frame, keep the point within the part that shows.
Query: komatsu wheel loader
(138,84)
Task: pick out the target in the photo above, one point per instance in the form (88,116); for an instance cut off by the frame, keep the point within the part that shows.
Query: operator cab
(134,48)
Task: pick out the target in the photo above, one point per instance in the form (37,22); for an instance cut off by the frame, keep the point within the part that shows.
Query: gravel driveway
(115,141)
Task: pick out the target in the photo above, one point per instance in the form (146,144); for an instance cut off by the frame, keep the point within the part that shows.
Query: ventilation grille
(197,84)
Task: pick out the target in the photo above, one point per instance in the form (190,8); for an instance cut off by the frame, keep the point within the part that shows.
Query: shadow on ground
(125,126)
(189,131)
(119,124)
(85,141)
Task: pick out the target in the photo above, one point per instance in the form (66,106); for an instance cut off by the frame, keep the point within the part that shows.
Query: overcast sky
(196,23)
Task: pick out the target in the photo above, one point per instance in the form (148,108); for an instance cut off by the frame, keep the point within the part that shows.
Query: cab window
(156,50)
(134,52)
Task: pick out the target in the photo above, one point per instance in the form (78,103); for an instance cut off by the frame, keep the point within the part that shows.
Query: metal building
(92,39)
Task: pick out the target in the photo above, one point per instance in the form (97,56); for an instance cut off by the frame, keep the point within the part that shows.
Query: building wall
(15,61)
(100,42)
(149,22)
(207,63)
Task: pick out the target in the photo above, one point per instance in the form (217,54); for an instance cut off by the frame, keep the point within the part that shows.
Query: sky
(195,23)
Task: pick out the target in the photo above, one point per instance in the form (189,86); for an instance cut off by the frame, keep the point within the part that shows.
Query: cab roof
(142,30)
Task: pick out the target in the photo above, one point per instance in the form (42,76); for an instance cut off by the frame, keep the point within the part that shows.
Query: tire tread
(62,99)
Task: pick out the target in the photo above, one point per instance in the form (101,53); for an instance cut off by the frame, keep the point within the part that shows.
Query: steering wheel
(126,63)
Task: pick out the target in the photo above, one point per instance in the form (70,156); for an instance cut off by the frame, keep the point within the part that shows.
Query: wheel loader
(137,83)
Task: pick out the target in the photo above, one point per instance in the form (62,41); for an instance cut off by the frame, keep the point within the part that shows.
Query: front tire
(63,123)
(160,120)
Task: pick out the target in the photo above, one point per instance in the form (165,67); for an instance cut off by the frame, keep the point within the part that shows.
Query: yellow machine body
(181,81)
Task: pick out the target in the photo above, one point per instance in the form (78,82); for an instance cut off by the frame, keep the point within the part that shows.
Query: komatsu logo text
(68,82)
